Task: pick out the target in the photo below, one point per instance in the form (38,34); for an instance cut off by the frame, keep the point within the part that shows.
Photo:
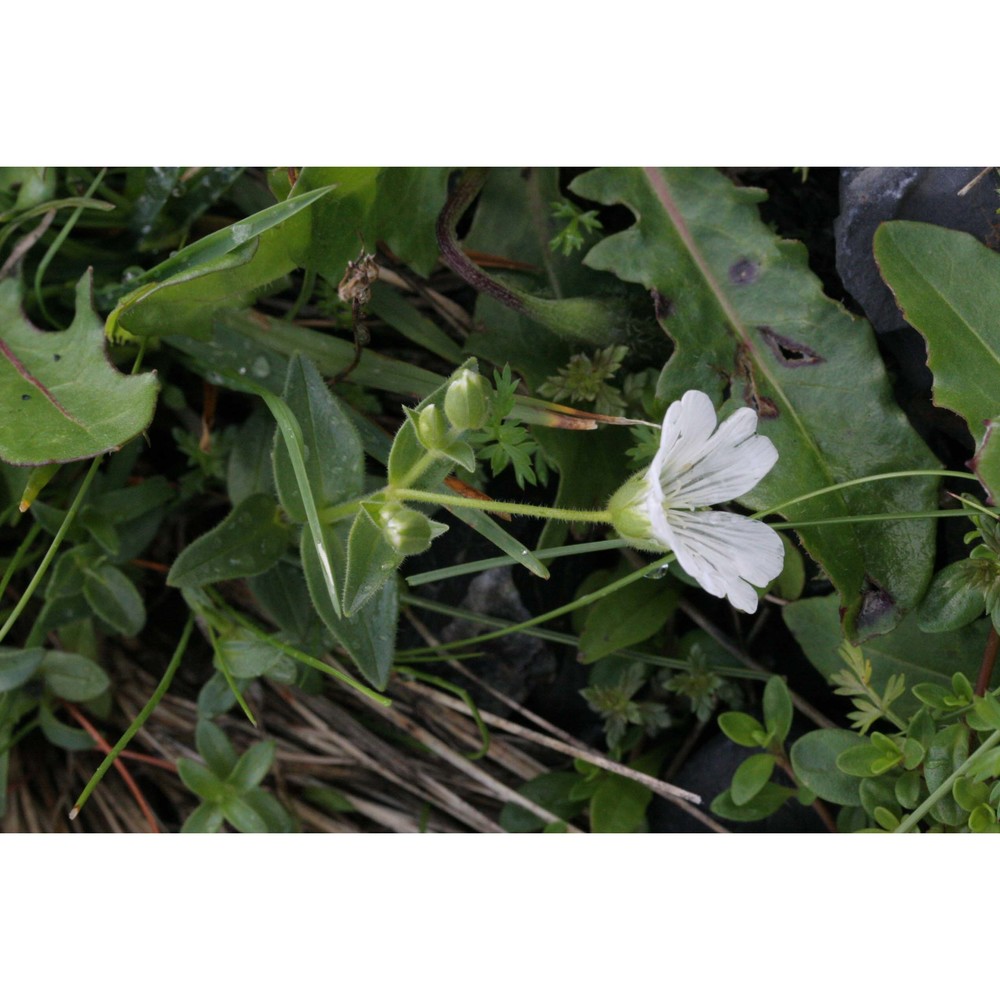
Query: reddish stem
(989,658)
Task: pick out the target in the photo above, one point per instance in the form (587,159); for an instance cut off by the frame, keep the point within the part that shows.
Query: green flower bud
(432,429)
(465,402)
(408,531)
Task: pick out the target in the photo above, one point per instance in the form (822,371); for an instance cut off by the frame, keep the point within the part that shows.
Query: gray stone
(872,195)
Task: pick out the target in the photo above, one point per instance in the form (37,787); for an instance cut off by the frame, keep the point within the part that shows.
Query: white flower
(699,464)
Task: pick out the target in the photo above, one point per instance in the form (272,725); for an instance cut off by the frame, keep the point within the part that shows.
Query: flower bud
(465,402)
(408,531)
(432,429)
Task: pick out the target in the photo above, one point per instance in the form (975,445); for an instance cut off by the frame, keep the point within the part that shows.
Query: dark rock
(872,195)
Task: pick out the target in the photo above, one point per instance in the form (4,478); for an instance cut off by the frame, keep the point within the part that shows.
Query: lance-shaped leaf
(334,461)
(223,269)
(751,325)
(60,398)
(948,286)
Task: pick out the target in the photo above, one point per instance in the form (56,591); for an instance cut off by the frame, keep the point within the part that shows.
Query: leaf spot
(876,607)
(25,396)
(743,272)
(789,352)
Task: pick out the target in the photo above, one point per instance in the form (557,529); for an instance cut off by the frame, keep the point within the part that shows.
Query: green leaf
(748,319)
(777,709)
(270,811)
(626,618)
(207,818)
(947,751)
(281,591)
(250,540)
(114,598)
(342,222)
(970,794)
(369,635)
(247,656)
(743,729)
(60,398)
(766,802)
(864,761)
(951,601)
(253,766)
(60,734)
(948,286)
(548,790)
(71,676)
(250,468)
(18,666)
(221,270)
(750,777)
(879,792)
(908,789)
(217,245)
(918,656)
(482,523)
(408,202)
(214,746)
(814,760)
(242,816)
(885,818)
(618,805)
(333,458)
(202,781)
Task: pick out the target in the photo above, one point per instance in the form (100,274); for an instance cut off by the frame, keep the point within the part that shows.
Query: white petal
(697,470)
(687,427)
(726,553)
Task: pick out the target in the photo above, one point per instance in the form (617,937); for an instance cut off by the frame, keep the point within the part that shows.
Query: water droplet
(242,370)
(177,192)
(146,229)
(261,367)
(241,232)
(131,274)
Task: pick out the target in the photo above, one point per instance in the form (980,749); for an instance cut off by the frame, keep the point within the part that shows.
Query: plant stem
(500,506)
(140,719)
(860,482)
(53,548)
(580,602)
(861,518)
(989,658)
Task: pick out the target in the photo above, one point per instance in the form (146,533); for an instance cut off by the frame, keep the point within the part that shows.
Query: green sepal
(371,559)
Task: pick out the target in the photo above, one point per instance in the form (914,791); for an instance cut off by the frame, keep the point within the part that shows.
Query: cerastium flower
(699,464)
